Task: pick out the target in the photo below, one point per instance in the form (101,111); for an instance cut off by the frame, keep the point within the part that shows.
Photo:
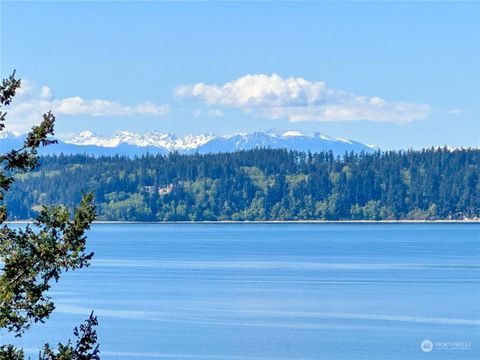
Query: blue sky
(396,75)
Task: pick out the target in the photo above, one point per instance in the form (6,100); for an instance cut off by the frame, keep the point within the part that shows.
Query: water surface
(275,291)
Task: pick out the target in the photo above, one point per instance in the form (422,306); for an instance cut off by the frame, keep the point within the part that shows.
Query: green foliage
(85,348)
(125,206)
(10,352)
(260,184)
(33,257)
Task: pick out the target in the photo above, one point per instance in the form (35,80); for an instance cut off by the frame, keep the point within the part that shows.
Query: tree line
(259,184)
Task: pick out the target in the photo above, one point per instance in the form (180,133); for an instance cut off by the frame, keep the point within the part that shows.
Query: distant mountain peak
(168,141)
(292,133)
(296,133)
(275,138)
(130,143)
(9,134)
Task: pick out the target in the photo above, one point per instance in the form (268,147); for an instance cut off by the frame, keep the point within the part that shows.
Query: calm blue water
(275,291)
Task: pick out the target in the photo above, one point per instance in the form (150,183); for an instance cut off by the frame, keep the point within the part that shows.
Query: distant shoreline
(469,221)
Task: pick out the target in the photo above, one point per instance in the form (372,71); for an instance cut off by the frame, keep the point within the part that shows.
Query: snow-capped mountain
(130,144)
(169,142)
(7,134)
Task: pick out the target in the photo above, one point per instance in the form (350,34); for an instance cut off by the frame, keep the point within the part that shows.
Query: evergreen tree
(34,257)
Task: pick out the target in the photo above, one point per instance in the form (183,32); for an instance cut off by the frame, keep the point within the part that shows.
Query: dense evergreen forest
(259,184)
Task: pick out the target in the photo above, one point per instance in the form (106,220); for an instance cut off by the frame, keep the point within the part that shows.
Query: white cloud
(300,100)
(31,102)
(456,111)
(46,93)
(216,113)
(210,113)
(197,113)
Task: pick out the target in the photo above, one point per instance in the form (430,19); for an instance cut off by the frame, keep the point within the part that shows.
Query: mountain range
(131,144)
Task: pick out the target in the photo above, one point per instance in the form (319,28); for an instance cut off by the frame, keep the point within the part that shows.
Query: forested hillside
(259,184)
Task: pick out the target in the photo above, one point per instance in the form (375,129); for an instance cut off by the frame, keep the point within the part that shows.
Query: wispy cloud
(32,101)
(297,99)
(216,113)
(456,111)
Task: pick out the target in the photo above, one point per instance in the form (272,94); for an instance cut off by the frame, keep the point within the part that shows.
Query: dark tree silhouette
(34,257)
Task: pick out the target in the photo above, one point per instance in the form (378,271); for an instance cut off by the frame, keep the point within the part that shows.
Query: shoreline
(468,221)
